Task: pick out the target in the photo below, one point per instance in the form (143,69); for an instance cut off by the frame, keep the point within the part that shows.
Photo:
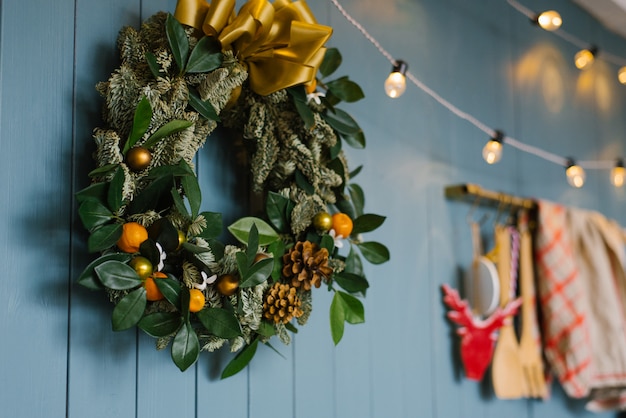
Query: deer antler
(496,320)
(461,312)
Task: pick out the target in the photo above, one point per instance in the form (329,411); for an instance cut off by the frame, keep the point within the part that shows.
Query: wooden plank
(36,46)
(102,370)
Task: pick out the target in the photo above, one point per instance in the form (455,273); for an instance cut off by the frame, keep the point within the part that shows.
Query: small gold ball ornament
(182,238)
(322,222)
(138,158)
(227,284)
(142,266)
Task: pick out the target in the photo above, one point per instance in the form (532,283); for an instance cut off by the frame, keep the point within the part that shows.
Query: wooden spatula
(506,369)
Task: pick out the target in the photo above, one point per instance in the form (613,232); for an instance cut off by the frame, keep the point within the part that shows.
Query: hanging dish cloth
(580,257)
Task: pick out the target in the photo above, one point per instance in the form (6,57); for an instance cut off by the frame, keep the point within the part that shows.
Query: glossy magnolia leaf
(177,38)
(104,237)
(93,214)
(341,122)
(344,308)
(179,170)
(358,199)
(332,61)
(346,207)
(303,183)
(241,229)
(328,242)
(170,128)
(367,223)
(102,171)
(89,279)
(277,249)
(179,203)
(241,360)
(165,233)
(355,140)
(195,249)
(205,108)
(354,264)
(276,209)
(129,310)
(257,273)
(220,322)
(217,248)
(96,191)
(266,329)
(117,275)
(206,56)
(149,250)
(193,193)
(374,252)
(154,66)
(114,195)
(160,324)
(253,245)
(350,282)
(185,347)
(345,89)
(141,122)
(170,287)
(356,171)
(150,197)
(214,225)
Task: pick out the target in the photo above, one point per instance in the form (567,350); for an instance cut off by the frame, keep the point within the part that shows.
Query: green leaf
(241,229)
(253,244)
(277,248)
(129,310)
(184,302)
(335,150)
(214,225)
(241,360)
(328,242)
(356,171)
(341,122)
(257,273)
(217,248)
(206,56)
(276,209)
(374,252)
(358,200)
(353,283)
(114,196)
(332,61)
(338,167)
(195,249)
(168,129)
(266,329)
(104,237)
(305,113)
(179,170)
(160,324)
(179,203)
(178,41)
(96,191)
(117,275)
(367,223)
(170,287)
(155,69)
(102,171)
(356,140)
(345,89)
(89,279)
(291,327)
(303,183)
(141,122)
(149,249)
(150,197)
(193,193)
(205,108)
(220,322)
(242,263)
(353,263)
(344,308)
(185,347)
(93,214)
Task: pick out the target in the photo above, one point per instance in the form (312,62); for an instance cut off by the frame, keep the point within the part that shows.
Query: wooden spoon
(506,369)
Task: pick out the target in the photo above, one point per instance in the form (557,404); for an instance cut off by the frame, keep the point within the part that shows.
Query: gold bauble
(182,238)
(142,266)
(138,158)
(227,284)
(323,222)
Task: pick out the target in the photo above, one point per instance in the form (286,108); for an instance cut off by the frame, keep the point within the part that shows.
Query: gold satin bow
(281,43)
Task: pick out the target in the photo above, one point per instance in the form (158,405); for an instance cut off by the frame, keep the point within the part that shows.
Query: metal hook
(470,215)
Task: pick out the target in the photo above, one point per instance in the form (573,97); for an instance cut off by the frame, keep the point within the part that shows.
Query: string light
(549,20)
(621,75)
(395,85)
(585,57)
(577,174)
(492,152)
(618,173)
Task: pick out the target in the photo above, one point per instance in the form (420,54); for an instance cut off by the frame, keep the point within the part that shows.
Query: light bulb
(575,175)
(549,20)
(395,85)
(618,174)
(492,152)
(621,75)
(584,58)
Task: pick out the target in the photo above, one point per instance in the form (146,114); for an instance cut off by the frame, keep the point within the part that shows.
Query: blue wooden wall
(58,356)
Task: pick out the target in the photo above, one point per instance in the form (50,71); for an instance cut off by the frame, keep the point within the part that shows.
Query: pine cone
(306,264)
(281,303)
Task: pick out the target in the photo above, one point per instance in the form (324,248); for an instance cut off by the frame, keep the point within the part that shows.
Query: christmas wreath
(261,72)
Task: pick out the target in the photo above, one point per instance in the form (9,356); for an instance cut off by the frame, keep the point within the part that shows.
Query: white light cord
(530,149)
